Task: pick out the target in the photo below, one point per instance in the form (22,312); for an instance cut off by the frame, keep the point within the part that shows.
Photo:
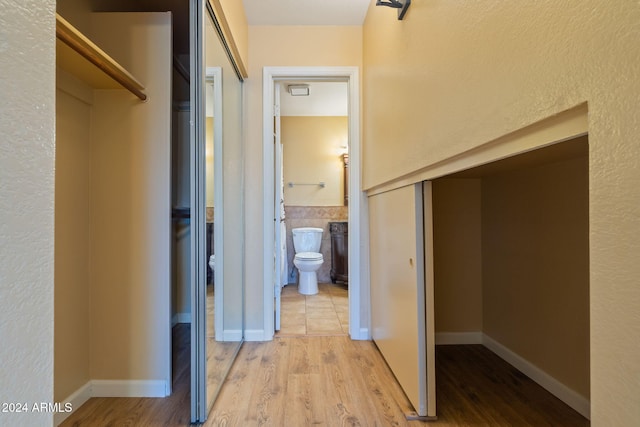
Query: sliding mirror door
(217,274)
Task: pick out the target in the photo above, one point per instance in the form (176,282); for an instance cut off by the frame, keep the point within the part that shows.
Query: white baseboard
(111,388)
(561,391)
(180,318)
(361,335)
(76,399)
(458,338)
(231,335)
(255,335)
(129,388)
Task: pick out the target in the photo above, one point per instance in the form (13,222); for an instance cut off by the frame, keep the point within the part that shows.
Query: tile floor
(326,313)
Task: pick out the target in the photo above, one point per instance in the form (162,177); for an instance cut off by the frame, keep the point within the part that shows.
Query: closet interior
(113,291)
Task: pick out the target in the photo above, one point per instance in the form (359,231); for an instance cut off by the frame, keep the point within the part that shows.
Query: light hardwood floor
(334,381)
(172,411)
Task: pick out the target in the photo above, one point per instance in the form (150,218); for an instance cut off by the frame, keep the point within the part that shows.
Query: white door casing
(358,223)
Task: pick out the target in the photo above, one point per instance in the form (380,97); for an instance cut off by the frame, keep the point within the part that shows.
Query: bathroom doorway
(305,201)
(312,152)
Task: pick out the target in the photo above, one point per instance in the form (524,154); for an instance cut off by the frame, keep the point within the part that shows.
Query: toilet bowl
(308,259)
(212,262)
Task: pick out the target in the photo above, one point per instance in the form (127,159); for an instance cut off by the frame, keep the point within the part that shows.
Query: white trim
(231,335)
(256,335)
(429,294)
(458,338)
(76,399)
(129,388)
(180,318)
(358,214)
(575,400)
(111,388)
(215,74)
(361,334)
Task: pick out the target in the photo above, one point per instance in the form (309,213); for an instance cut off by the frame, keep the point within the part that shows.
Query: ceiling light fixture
(298,90)
(401,5)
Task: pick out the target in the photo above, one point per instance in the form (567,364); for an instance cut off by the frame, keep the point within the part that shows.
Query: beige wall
(312,154)
(535,270)
(27,164)
(130,230)
(280,46)
(457,240)
(72,236)
(461,75)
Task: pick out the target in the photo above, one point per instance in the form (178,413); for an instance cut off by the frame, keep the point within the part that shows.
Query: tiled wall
(313,216)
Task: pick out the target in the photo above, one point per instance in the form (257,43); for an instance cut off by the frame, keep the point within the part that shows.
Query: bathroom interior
(315,165)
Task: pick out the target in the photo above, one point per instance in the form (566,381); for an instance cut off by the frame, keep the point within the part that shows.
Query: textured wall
(455,75)
(27,136)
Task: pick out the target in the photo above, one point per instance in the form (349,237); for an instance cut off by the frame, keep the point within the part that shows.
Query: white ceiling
(325,99)
(306,12)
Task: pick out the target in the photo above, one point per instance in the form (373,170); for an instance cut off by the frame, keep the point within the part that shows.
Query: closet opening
(511,270)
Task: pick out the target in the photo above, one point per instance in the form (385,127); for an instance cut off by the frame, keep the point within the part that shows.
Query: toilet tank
(307,239)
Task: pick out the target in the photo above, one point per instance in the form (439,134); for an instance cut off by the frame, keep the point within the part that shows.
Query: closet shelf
(81,57)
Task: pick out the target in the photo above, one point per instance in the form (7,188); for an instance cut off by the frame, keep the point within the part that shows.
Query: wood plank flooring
(334,381)
(172,411)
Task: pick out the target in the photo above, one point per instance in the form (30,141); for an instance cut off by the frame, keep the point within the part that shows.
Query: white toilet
(308,259)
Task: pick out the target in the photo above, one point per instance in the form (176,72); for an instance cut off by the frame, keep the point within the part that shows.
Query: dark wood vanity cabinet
(339,252)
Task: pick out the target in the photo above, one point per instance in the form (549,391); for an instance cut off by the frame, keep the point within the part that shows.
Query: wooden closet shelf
(74,49)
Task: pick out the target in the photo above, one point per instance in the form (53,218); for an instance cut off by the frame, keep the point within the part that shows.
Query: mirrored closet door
(217,276)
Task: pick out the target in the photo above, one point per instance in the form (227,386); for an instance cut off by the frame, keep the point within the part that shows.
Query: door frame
(359,316)
(214,75)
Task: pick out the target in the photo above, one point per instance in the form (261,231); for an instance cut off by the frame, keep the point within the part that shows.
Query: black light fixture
(401,5)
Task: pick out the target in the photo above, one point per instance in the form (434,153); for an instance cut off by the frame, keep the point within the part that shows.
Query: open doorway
(274,181)
(313,133)
(511,265)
